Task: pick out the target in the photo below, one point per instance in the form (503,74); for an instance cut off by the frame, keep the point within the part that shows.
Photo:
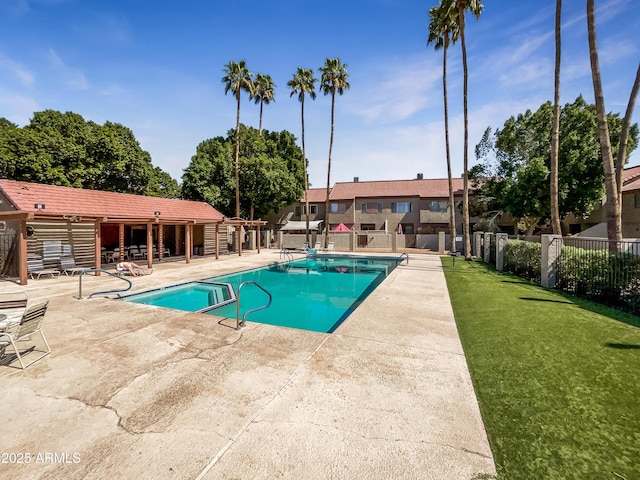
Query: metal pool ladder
(93,270)
(240,322)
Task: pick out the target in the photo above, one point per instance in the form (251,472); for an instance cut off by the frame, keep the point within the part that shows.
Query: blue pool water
(315,294)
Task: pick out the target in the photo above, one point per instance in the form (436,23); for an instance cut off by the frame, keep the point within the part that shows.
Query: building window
(337,207)
(401,207)
(407,228)
(372,207)
(367,226)
(301,210)
(438,206)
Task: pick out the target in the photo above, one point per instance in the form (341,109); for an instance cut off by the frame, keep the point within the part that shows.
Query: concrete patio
(135,391)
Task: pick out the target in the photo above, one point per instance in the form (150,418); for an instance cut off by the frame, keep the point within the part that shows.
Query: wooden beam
(98,245)
(22,253)
(188,240)
(149,244)
(16,215)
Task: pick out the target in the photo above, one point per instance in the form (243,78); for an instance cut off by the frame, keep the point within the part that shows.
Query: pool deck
(135,391)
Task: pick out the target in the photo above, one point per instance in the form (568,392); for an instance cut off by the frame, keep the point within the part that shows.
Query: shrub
(523,259)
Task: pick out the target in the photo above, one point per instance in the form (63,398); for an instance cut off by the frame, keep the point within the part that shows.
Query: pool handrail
(287,254)
(93,270)
(405,255)
(240,323)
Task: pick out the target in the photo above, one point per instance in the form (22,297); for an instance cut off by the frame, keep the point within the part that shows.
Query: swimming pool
(313,293)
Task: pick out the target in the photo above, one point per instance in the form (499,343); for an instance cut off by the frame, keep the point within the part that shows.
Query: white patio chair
(68,266)
(35,266)
(12,308)
(30,324)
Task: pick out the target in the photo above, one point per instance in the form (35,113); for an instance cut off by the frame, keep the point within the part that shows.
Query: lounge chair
(35,266)
(12,307)
(331,247)
(30,324)
(68,266)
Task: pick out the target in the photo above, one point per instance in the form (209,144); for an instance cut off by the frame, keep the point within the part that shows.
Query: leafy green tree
(210,175)
(334,80)
(443,30)
(302,83)
(514,174)
(264,92)
(238,79)
(270,166)
(64,149)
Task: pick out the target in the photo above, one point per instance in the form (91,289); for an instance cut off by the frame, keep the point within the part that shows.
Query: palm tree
(555,131)
(613,208)
(475,7)
(334,79)
(303,82)
(264,92)
(443,29)
(237,79)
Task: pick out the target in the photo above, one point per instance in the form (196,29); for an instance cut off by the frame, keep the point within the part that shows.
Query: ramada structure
(50,222)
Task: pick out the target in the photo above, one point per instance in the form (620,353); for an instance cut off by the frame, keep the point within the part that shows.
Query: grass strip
(557,378)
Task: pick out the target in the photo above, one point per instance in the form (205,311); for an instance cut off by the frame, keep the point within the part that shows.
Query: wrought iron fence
(605,271)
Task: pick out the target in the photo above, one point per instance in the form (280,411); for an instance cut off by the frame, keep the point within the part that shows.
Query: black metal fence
(607,272)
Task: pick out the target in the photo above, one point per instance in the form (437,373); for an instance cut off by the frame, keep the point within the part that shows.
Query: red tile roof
(427,188)
(631,179)
(316,195)
(96,203)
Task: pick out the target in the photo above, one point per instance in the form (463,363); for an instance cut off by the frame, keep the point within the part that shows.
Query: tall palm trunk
(326,204)
(555,131)
(452,208)
(238,157)
(260,125)
(626,125)
(465,193)
(306,180)
(613,210)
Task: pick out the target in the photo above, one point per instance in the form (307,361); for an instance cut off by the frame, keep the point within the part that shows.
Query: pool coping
(150,393)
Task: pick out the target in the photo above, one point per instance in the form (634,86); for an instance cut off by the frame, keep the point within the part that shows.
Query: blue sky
(156,67)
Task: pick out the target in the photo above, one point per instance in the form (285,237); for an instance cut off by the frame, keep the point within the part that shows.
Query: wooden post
(149,244)
(97,235)
(120,242)
(22,253)
(188,242)
(239,240)
(217,241)
(258,237)
(177,239)
(160,242)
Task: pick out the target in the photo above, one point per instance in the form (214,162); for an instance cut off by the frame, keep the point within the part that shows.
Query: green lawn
(557,378)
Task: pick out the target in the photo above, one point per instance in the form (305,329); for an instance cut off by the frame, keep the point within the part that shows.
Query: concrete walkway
(134,391)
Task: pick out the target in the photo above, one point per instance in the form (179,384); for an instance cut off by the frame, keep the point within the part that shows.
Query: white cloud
(17,70)
(402,90)
(72,77)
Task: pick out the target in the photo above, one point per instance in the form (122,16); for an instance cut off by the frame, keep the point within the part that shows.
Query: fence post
(477,244)
(441,242)
(487,247)
(551,248)
(501,243)
(394,242)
